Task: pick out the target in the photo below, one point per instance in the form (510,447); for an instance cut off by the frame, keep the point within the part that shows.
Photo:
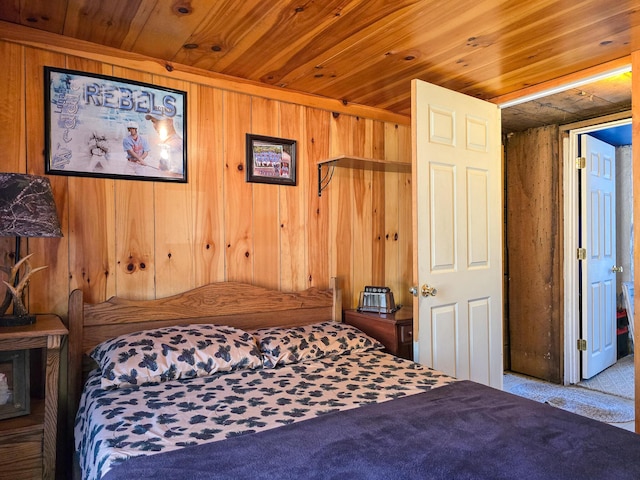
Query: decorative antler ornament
(15,292)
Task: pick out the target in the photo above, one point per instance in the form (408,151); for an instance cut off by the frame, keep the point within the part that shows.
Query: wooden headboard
(226,303)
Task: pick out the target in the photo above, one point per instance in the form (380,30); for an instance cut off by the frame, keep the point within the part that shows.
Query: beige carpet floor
(616,380)
(589,403)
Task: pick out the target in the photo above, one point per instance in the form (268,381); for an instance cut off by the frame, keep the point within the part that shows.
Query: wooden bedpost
(74,370)
(337,300)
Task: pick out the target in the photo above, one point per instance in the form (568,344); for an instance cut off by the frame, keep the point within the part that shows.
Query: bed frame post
(74,373)
(336,314)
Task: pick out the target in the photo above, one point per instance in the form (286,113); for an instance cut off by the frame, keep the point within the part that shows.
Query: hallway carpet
(617,379)
(588,403)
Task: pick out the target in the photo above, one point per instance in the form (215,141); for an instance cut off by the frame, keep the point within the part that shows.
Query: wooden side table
(28,443)
(393,330)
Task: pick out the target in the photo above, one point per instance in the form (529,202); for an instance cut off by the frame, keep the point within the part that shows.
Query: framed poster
(101,126)
(271,160)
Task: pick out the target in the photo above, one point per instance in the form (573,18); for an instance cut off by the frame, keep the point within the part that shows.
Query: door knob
(414,291)
(616,269)
(427,291)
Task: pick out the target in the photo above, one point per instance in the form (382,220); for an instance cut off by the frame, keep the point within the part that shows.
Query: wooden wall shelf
(350,161)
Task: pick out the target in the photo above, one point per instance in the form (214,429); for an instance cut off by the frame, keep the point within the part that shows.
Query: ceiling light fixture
(564,87)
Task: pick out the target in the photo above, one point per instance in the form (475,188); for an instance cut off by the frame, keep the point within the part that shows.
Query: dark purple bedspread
(460,431)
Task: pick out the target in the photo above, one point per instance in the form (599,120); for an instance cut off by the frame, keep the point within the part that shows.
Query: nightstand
(28,442)
(393,330)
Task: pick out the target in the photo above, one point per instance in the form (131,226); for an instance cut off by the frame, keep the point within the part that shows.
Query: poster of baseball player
(104,126)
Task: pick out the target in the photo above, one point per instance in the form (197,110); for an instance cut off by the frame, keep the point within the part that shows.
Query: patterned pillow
(280,346)
(174,352)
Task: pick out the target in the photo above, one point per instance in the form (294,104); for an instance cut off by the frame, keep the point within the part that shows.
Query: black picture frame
(270,160)
(15,397)
(87,119)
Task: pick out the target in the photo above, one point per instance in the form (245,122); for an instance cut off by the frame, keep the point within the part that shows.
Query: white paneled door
(598,233)
(458,233)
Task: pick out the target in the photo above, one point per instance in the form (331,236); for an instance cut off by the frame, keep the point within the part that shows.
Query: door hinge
(582,345)
(582,253)
(581,163)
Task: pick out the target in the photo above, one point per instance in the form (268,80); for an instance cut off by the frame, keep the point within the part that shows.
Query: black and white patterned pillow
(280,346)
(170,353)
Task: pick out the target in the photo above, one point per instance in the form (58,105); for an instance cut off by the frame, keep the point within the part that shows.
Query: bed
(233,381)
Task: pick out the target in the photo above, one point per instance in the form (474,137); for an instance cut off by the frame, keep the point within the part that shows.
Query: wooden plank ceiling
(367,51)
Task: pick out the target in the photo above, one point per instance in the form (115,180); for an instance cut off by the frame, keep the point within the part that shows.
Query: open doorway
(534,200)
(577,318)
(535,192)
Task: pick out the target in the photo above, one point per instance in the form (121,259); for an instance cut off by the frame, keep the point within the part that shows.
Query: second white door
(598,233)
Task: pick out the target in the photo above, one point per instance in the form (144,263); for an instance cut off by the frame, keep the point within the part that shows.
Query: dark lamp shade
(27,208)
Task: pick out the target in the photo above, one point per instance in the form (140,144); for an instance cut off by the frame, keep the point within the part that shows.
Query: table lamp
(27,209)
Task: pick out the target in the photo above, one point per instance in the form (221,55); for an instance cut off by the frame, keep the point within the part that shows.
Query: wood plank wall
(144,240)
(534,254)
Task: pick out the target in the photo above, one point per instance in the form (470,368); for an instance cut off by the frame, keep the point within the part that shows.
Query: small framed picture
(271,160)
(14,384)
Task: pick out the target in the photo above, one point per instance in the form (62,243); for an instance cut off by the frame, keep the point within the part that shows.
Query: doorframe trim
(569,142)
